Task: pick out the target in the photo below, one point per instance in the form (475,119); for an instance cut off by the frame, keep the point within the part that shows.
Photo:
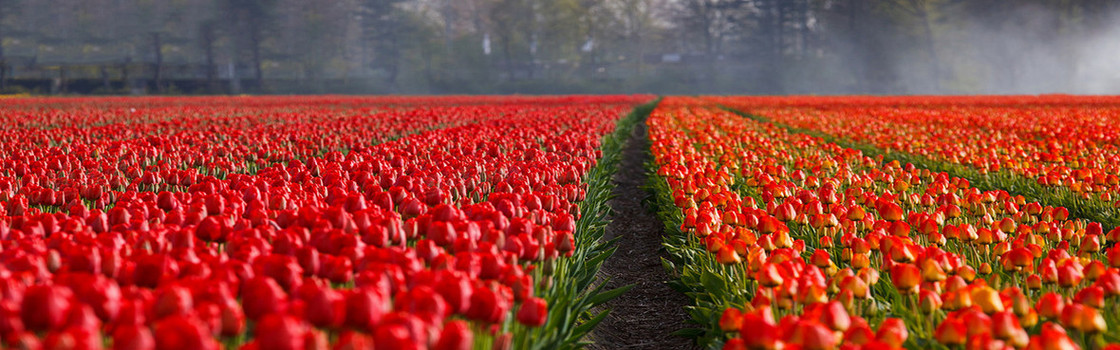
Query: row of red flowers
(798,242)
(289,224)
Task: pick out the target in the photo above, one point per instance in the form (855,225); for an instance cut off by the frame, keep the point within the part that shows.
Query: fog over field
(561,46)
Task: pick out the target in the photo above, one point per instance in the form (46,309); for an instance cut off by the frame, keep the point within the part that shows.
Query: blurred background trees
(559,46)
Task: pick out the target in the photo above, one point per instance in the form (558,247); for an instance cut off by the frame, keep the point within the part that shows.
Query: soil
(644,317)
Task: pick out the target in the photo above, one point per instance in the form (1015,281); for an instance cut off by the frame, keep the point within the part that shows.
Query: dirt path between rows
(644,317)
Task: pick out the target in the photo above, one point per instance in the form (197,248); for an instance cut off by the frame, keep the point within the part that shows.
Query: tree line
(558,46)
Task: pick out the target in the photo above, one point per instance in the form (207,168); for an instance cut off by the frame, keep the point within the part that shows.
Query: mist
(772,47)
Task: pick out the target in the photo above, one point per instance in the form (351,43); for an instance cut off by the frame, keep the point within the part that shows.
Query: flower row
(264,228)
(793,240)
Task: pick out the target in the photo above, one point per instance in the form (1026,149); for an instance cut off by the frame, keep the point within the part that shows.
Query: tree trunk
(931,47)
(105,79)
(858,49)
(62,79)
(124,75)
(255,38)
(507,55)
(211,68)
(157,45)
(234,79)
(3,59)
(779,25)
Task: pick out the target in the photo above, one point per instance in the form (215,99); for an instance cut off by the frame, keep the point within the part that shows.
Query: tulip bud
(929,301)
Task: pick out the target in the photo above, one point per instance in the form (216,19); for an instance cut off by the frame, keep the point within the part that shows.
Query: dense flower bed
(1063,147)
(295,223)
(787,239)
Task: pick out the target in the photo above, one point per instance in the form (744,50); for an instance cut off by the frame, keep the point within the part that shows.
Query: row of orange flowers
(1057,141)
(823,247)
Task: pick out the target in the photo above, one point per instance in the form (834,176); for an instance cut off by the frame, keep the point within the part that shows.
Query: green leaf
(689,332)
(590,324)
(603,297)
(713,283)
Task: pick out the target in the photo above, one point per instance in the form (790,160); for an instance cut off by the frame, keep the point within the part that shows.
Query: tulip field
(468,222)
(792,221)
(304,223)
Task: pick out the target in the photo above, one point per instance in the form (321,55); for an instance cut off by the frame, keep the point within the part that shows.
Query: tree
(247,23)
(7,7)
(713,21)
(383,26)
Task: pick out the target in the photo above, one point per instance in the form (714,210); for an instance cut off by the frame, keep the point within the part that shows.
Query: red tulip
(487,305)
(77,338)
(731,320)
(182,332)
(326,308)
(836,317)
(812,335)
(455,290)
(279,331)
(364,308)
(232,319)
(133,337)
(533,312)
(768,276)
(46,307)
(173,300)
(351,340)
(394,336)
(261,296)
(422,301)
(758,333)
(889,211)
(456,335)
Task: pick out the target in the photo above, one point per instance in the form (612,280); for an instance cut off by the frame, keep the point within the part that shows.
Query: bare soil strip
(644,317)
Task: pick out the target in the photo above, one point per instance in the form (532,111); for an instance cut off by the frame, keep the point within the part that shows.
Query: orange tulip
(892,332)
(731,320)
(906,278)
(758,333)
(952,331)
(769,276)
